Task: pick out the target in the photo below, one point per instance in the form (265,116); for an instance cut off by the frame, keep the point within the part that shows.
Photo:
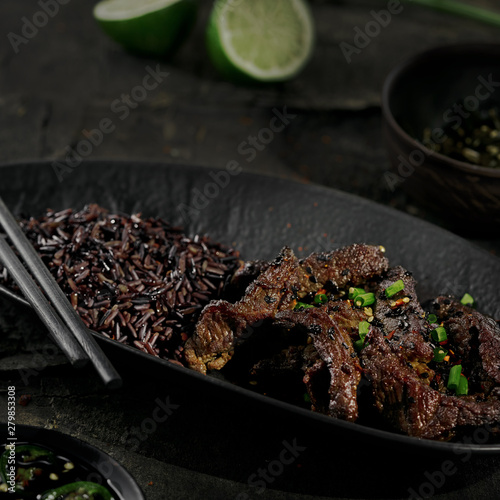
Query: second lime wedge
(151,27)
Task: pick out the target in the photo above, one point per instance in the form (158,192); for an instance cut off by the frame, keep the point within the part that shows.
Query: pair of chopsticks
(64,324)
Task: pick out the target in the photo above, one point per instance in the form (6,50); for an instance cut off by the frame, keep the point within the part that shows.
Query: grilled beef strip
(222,323)
(346,317)
(317,380)
(404,323)
(336,356)
(413,407)
(285,373)
(286,279)
(476,342)
(353,265)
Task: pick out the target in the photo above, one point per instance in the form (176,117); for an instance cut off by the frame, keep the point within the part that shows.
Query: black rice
(142,282)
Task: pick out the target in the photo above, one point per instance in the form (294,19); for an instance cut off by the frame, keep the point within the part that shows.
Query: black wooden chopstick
(67,343)
(41,273)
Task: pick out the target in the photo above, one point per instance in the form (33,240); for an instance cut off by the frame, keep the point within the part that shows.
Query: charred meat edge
(336,357)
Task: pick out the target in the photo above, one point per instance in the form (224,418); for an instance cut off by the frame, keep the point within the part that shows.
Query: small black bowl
(94,463)
(425,92)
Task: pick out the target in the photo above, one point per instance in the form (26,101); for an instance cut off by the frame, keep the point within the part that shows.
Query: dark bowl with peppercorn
(441,124)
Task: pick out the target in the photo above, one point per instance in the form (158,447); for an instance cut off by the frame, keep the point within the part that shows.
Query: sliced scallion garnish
(439,334)
(354,292)
(364,299)
(432,318)
(359,344)
(439,354)
(302,305)
(393,289)
(454,377)
(363,328)
(320,298)
(463,386)
(467,300)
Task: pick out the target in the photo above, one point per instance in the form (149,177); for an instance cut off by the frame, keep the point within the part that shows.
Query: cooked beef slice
(346,317)
(404,324)
(316,378)
(222,324)
(476,341)
(334,347)
(348,266)
(410,405)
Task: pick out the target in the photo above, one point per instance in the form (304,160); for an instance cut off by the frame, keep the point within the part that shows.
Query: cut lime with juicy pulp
(260,40)
(151,27)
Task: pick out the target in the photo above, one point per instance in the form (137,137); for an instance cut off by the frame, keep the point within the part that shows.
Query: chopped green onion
(432,318)
(321,298)
(439,334)
(359,344)
(467,300)
(354,292)
(364,299)
(463,386)
(394,288)
(439,354)
(454,377)
(363,328)
(302,305)
(307,399)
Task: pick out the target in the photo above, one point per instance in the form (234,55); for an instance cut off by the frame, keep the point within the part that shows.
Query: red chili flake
(389,337)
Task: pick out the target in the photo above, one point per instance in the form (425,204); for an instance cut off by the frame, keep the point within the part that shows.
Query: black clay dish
(440,89)
(259,215)
(72,461)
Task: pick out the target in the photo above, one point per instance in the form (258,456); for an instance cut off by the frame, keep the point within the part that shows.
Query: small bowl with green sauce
(441,125)
(41,464)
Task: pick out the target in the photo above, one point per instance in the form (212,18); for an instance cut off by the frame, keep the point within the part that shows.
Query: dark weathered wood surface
(68,77)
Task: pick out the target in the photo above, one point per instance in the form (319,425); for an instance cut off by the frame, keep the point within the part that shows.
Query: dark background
(64,81)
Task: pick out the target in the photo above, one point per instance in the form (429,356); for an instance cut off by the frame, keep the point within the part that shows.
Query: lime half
(152,27)
(262,40)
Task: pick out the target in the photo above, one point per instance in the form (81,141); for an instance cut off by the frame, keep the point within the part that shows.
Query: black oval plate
(90,457)
(259,215)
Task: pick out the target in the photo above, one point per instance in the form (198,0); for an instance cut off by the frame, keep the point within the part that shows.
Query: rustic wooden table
(60,80)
